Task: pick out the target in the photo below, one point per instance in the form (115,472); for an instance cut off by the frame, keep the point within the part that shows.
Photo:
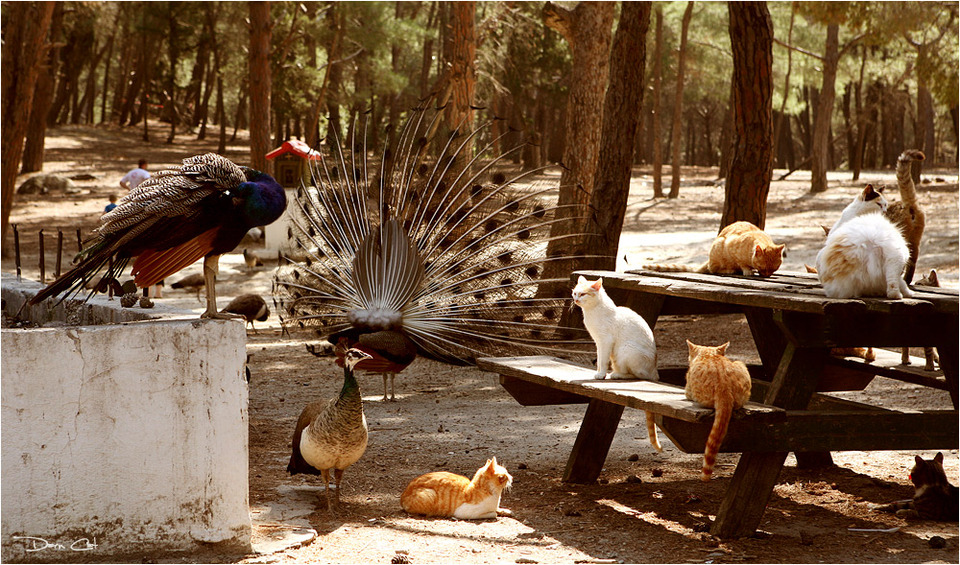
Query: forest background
(597,86)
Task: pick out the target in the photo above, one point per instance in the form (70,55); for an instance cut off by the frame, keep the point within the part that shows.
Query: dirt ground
(646,507)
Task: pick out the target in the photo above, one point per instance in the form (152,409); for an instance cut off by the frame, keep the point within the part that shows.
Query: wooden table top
(799,292)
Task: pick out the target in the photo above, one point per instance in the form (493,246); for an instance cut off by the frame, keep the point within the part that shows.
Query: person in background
(135,176)
(130,181)
(113,202)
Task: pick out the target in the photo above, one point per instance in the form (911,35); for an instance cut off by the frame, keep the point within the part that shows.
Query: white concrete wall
(275,234)
(133,433)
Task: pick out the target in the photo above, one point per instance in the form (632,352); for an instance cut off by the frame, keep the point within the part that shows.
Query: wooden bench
(828,424)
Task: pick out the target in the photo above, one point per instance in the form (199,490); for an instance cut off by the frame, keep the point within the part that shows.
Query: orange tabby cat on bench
(740,248)
(455,496)
(719,383)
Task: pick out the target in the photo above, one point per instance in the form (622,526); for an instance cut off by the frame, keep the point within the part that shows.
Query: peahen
(251,307)
(194,282)
(437,247)
(202,208)
(332,435)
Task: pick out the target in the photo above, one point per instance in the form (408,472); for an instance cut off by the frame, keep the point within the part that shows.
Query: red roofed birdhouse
(291,162)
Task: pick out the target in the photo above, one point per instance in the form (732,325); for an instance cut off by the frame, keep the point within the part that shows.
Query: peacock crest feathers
(441,237)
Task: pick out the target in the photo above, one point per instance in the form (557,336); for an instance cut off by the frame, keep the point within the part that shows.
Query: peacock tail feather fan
(441,237)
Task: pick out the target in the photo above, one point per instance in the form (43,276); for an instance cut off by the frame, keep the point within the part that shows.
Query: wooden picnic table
(794,327)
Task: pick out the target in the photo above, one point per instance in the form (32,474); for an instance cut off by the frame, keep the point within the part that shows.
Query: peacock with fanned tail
(437,248)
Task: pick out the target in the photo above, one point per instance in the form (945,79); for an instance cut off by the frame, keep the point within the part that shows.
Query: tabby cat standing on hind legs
(719,383)
(740,248)
(906,214)
(447,494)
(934,498)
(624,340)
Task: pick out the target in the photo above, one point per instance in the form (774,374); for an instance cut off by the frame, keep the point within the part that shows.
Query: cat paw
(600,376)
(894,294)
(621,376)
(504,512)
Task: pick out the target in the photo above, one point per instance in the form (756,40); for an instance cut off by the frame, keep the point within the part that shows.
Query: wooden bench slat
(887,364)
(661,398)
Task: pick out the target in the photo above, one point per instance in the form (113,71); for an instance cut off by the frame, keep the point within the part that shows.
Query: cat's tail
(674,268)
(908,191)
(652,432)
(723,409)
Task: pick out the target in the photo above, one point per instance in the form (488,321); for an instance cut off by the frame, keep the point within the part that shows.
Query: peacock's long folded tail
(442,237)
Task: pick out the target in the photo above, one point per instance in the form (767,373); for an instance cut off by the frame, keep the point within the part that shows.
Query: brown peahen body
(251,307)
(442,242)
(332,435)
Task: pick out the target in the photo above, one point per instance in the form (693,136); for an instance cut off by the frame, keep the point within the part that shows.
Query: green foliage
(522,67)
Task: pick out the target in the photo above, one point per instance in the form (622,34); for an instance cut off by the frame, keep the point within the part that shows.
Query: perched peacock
(201,209)
(437,246)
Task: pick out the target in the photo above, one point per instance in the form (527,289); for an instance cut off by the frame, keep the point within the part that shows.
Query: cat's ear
(757,251)
(582,280)
(721,349)
(932,278)
(918,459)
(691,347)
(597,284)
(939,458)
(493,462)
(782,249)
(871,193)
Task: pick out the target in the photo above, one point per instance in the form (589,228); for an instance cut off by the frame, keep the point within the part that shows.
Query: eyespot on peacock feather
(441,237)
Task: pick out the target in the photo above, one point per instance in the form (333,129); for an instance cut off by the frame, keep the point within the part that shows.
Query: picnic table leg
(593,442)
(756,474)
(770,343)
(947,350)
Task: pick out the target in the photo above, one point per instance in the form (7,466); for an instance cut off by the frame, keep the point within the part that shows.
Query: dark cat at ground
(934,499)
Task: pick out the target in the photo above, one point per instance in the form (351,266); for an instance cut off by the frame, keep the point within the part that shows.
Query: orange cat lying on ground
(740,248)
(447,494)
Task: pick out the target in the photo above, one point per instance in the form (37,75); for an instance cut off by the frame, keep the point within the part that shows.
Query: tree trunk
(819,156)
(107,64)
(260,84)
(727,137)
(221,116)
(657,79)
(427,58)
(621,120)
(751,38)
(42,98)
(786,88)
(678,102)
(23,51)
(856,155)
(173,55)
(587,29)
(461,68)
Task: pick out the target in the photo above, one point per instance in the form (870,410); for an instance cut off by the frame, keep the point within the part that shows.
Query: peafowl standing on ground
(332,434)
(201,209)
(251,307)
(437,248)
